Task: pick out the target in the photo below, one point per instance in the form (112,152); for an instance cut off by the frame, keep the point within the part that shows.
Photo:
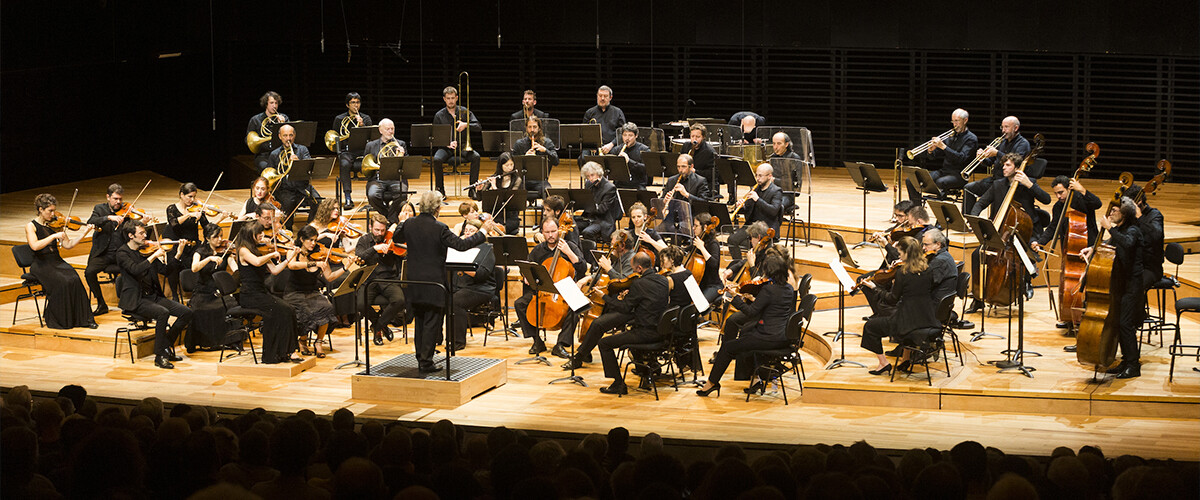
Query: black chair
(964,288)
(23,254)
(248,319)
(805,284)
(647,358)
(922,346)
(687,344)
(135,323)
(1156,323)
(1177,348)
(492,310)
(772,364)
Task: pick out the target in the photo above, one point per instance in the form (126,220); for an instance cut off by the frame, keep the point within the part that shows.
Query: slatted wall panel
(1043,91)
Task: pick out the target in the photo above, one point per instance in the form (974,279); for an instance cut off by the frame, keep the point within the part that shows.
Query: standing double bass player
(1128,296)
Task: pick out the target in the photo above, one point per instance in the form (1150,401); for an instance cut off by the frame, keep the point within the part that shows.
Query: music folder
(360,135)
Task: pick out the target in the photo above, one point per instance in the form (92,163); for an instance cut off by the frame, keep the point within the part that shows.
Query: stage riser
(823,396)
(428,393)
(143,344)
(933,400)
(244,366)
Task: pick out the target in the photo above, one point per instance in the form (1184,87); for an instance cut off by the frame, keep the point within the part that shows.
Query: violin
(335,255)
(222,246)
(343,225)
(399,249)
(149,247)
(208,210)
(280,236)
(267,248)
(61,222)
(127,210)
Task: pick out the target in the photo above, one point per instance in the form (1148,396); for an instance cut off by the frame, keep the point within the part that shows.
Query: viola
(151,246)
(399,249)
(335,255)
(637,244)
(343,225)
(208,210)
(60,222)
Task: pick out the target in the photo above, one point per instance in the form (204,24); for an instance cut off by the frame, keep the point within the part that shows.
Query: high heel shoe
(756,387)
(904,366)
(706,392)
(882,371)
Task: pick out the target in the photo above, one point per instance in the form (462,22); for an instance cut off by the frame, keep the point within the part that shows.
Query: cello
(1096,342)
(694,261)
(1070,297)
(1011,219)
(548,310)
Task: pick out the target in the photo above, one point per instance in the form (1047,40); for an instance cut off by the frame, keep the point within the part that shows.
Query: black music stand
(352,284)
(498,140)
(630,196)
(866,179)
(580,199)
(322,168)
(507,250)
(581,134)
(840,335)
(1015,359)
(843,252)
(739,170)
(790,174)
(660,164)
(718,210)
(989,239)
(766,133)
(306,133)
(431,136)
(925,184)
(533,168)
(540,280)
(359,136)
(616,167)
(723,135)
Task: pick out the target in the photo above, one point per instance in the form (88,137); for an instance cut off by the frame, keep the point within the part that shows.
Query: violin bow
(139,196)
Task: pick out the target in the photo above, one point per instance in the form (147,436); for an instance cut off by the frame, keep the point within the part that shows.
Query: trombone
(970,169)
(912,153)
(464,100)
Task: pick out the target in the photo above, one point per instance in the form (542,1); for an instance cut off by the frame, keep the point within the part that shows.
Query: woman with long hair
(207,329)
(278,328)
(314,312)
(912,292)
(67,304)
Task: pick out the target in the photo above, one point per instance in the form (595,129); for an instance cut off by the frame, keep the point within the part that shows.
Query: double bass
(548,310)
(1011,219)
(1070,295)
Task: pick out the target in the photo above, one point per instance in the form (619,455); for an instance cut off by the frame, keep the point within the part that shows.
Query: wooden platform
(397,380)
(245,366)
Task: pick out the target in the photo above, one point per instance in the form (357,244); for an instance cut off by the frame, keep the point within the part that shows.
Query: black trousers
(160,309)
(943,181)
(739,349)
(1132,310)
(387,197)
(607,322)
(595,230)
(530,331)
(874,331)
(733,326)
(347,163)
(290,196)
(879,307)
(97,264)
(392,298)
(444,155)
(609,345)
(973,190)
(427,331)
(466,300)
(739,241)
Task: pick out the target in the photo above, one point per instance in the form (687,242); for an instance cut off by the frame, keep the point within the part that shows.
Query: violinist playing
(339,234)
(552,241)
(257,258)
(375,249)
(260,193)
(912,291)
(763,204)
(645,302)
(474,288)
(67,303)
(185,218)
(208,321)
(1128,294)
(507,177)
(535,143)
(617,265)
(105,241)
(314,312)
(141,294)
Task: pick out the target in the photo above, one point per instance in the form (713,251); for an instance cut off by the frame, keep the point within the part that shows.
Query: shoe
(348,205)
(882,371)
(905,366)
(1063,324)
(100,311)
(377,340)
(296,360)
(895,352)
(1069,348)
(93,325)
(963,325)
(304,349)
(616,388)
(458,346)
(705,392)
(387,333)
(976,306)
(1116,369)
(161,362)
(427,368)
(585,357)
(538,347)
(560,351)
(1131,371)
(172,357)
(572,364)
(757,387)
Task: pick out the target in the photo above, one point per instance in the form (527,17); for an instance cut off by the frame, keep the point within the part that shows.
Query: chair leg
(37,307)
(928,376)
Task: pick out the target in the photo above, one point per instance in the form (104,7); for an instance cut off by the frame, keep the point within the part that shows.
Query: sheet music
(570,292)
(1024,256)
(693,289)
(465,257)
(840,270)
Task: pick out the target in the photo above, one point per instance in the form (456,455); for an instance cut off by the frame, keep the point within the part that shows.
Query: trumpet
(970,169)
(912,153)
(370,163)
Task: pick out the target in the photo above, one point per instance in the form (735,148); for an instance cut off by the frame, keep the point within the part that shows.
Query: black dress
(67,304)
(208,324)
(279,320)
(313,309)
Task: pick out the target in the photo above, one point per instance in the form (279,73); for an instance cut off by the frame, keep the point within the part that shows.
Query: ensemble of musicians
(635,263)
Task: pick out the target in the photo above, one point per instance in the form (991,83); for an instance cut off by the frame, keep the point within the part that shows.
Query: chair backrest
(945,309)
(667,322)
(689,317)
(226,283)
(964,284)
(1038,169)
(795,328)
(23,254)
(805,285)
(187,280)
(1174,253)
(807,304)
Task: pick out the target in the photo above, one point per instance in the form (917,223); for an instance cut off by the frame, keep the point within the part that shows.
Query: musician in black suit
(270,102)
(528,109)
(955,152)
(1126,287)
(749,122)
(461,119)
(386,196)
(684,187)
(942,267)
(608,116)
(763,203)
(552,240)
(912,292)
(349,161)
(105,241)
(704,158)
(536,143)
(627,146)
(598,220)
(290,193)
(427,240)
(1150,223)
(1027,190)
(1011,142)
(781,147)
(645,302)
(140,292)
(374,250)
(1084,201)
(767,315)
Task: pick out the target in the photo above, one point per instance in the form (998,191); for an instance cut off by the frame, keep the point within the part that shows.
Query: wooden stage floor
(1059,406)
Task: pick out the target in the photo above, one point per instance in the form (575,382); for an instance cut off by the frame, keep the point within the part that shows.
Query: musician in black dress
(535,142)
(67,304)
(598,219)
(386,196)
(704,160)
(767,314)
(955,152)
(506,177)
(427,240)
(709,248)
(270,102)
(185,218)
(141,294)
(608,116)
(260,192)
(374,249)
(645,302)
(912,292)
(528,107)
(1011,142)
(641,230)
(763,204)
(473,288)
(627,146)
(289,193)
(617,265)
(314,312)
(461,119)
(279,319)
(1127,292)
(105,241)
(551,240)
(208,327)
(349,160)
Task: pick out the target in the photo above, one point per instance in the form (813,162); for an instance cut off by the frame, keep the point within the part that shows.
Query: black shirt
(523,144)
(610,119)
(1019,145)
(337,126)
(443,116)
(1151,227)
(389,263)
(960,150)
(520,114)
(541,252)
(1087,203)
(768,313)
(1024,195)
(646,301)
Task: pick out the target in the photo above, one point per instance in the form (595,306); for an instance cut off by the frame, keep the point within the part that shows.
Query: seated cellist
(543,251)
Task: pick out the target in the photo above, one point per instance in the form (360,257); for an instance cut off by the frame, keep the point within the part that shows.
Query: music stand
(989,239)
(950,218)
(507,250)
(1016,358)
(615,166)
(579,198)
(431,136)
(925,183)
(306,133)
(766,133)
(723,134)
(630,196)
(322,168)
(660,164)
(785,171)
(352,284)
(497,140)
(866,179)
(359,137)
(839,269)
(540,280)
(843,252)
(581,134)
(718,210)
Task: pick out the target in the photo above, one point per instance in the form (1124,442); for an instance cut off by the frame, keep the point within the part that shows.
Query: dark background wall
(84,92)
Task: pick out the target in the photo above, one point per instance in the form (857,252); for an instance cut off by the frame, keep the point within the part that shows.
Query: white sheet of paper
(693,289)
(456,257)
(1024,257)
(839,269)
(570,292)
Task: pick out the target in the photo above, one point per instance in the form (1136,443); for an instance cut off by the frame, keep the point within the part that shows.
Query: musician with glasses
(955,150)
(105,241)
(763,204)
(528,107)
(628,147)
(608,116)
(537,143)
(270,102)
(464,123)
(1011,141)
(289,193)
(386,196)
(348,160)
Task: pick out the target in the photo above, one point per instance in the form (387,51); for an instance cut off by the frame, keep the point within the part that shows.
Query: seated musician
(464,123)
(765,326)
(536,143)
(1011,142)
(704,159)
(528,107)
(208,327)
(1127,292)
(374,249)
(609,117)
(617,265)
(185,218)
(314,311)
(1027,191)
(257,259)
(627,146)
(781,147)
(912,292)
(270,102)
(349,160)
(105,241)
(260,192)
(469,211)
(598,219)
(473,288)
(386,196)
(507,177)
(140,292)
(639,228)
(683,186)
(645,301)
(67,303)
(544,251)
(749,122)
(553,207)
(743,270)
(289,193)
(332,234)
(955,152)
(945,270)
(710,249)
(875,295)
(763,204)
(1150,223)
